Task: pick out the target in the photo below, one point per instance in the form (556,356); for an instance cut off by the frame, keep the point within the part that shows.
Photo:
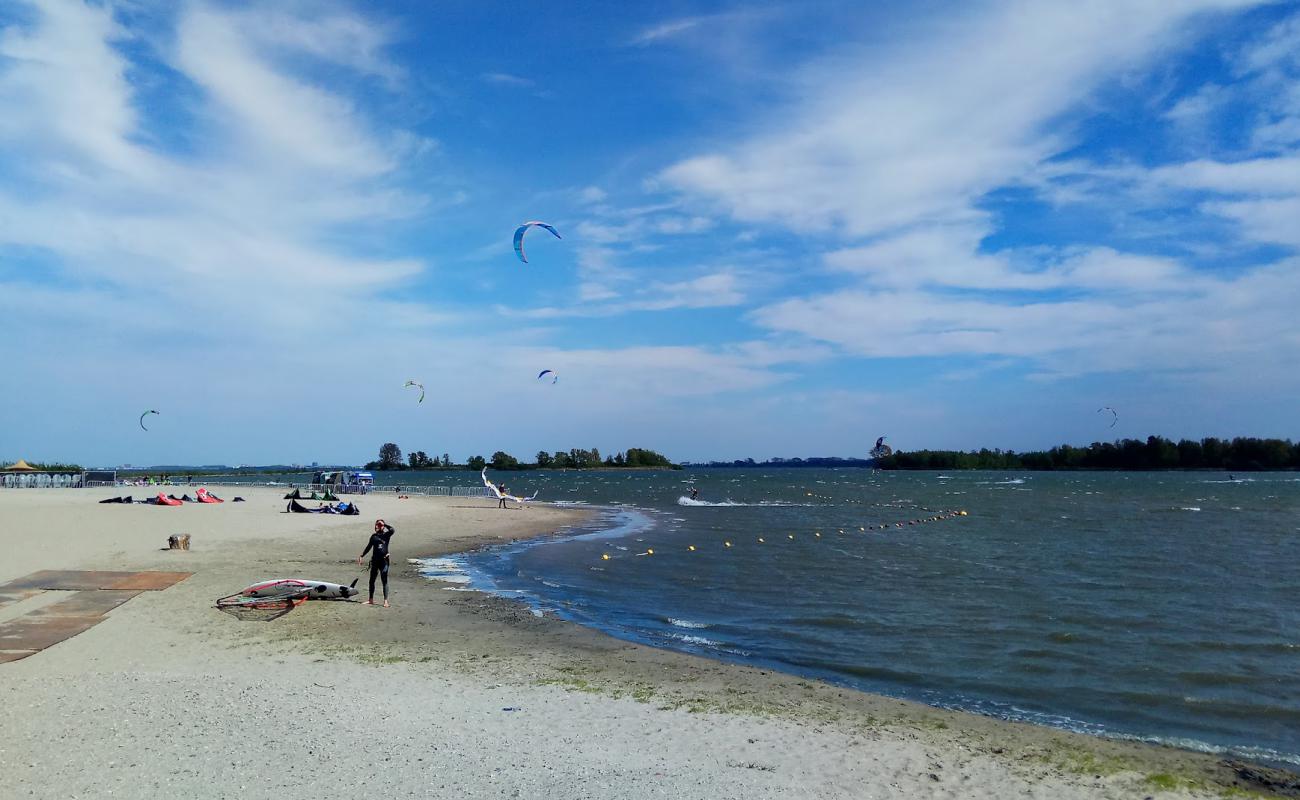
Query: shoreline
(1100,752)
(457,651)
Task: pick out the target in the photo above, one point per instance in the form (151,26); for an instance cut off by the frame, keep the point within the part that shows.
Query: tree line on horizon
(390,458)
(1241,454)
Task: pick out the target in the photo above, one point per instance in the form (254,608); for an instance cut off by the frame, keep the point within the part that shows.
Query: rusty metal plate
(17,596)
(147,581)
(84,604)
(13,655)
(29,633)
(81,580)
(67,579)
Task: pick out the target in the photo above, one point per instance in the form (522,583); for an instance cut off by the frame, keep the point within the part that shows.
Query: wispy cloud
(667,30)
(506,79)
(918,131)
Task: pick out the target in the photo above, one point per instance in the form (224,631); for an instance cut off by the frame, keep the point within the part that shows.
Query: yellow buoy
(760,540)
(604,556)
(690,547)
(728,544)
(818,534)
(791,535)
(649,551)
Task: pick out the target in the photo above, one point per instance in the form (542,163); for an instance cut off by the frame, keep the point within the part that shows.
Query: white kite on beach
(498,494)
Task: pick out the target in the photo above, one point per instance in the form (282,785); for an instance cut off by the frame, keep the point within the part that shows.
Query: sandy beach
(453,693)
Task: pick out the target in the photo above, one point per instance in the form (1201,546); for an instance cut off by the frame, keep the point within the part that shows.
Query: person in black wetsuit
(378,558)
(501,500)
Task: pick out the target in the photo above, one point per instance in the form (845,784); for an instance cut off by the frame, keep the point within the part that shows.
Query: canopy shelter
(20,466)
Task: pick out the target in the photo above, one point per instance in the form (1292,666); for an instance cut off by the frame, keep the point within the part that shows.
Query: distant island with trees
(1241,454)
(390,458)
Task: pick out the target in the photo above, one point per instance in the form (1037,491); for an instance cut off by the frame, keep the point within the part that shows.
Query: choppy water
(1159,606)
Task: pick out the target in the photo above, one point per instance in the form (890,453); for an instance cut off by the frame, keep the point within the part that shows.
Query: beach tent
(20,466)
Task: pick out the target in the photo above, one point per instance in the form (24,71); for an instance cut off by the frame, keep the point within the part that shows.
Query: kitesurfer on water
(379,558)
(695,493)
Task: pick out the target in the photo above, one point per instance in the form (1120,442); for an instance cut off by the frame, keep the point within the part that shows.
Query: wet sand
(456,693)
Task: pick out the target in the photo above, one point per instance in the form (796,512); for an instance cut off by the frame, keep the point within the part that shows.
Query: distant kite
(145,414)
(1113,413)
(519,236)
(409,384)
(554,377)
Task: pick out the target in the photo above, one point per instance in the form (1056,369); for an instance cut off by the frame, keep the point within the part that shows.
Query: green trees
(420,460)
(503,460)
(1155,452)
(390,456)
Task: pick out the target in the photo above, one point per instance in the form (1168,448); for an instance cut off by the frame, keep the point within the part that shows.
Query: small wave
(696,640)
(1189,508)
(729,503)
(442,569)
(686,623)
(1013,481)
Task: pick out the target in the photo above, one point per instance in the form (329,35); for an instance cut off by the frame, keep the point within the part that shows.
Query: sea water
(1156,606)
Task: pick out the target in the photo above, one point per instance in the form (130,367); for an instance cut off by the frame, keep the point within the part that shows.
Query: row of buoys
(690,548)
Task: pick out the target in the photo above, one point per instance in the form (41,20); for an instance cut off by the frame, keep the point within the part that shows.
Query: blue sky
(789,228)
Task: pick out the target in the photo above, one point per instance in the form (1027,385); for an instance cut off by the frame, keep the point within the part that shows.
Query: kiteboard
(312,590)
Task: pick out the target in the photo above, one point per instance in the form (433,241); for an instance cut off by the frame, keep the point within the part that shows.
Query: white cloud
(597,299)
(270,111)
(667,30)
(212,238)
(506,79)
(64,90)
(1276,221)
(918,131)
(1137,314)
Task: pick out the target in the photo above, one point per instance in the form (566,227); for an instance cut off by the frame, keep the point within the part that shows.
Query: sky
(788,228)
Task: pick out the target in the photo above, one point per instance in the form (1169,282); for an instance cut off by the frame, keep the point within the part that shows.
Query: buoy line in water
(729,543)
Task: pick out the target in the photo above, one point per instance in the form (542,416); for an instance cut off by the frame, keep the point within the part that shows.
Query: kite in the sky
(145,414)
(519,236)
(554,377)
(881,450)
(409,384)
(1113,413)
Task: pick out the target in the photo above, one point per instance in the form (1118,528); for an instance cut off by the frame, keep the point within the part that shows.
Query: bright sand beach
(457,694)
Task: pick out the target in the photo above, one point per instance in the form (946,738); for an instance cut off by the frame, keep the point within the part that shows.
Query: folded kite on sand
(346,509)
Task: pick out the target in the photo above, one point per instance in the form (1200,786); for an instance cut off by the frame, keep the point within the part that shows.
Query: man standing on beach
(501,495)
(379,558)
